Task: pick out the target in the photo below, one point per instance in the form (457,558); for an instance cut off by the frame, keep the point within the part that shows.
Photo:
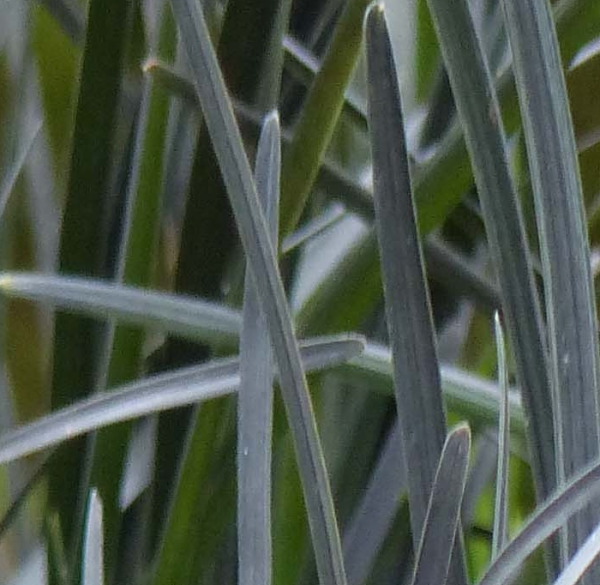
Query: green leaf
(320,114)
(564,248)
(255,394)
(154,394)
(479,112)
(443,513)
(83,230)
(254,234)
(137,250)
(416,372)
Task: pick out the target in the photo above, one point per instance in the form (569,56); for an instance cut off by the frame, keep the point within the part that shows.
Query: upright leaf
(92,567)
(82,230)
(500,533)
(479,113)
(416,370)
(262,261)
(564,248)
(255,398)
(443,512)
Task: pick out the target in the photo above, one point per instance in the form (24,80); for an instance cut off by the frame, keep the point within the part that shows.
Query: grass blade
(190,318)
(374,515)
(155,394)
(443,512)
(564,247)
(482,122)
(473,397)
(313,228)
(255,398)
(82,231)
(93,563)
(548,518)
(416,373)
(10,180)
(481,472)
(582,560)
(320,114)
(500,531)
(237,176)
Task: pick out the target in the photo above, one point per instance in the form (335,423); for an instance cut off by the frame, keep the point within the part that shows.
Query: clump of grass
(193,395)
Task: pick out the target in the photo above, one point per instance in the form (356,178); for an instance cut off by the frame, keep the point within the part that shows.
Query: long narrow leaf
(547,519)
(478,110)
(92,568)
(83,233)
(255,398)
(443,513)
(155,394)
(582,560)
(251,224)
(500,533)
(10,180)
(473,397)
(375,513)
(564,248)
(179,315)
(416,372)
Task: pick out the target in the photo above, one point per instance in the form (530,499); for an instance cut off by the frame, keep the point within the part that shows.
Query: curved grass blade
(581,561)
(179,315)
(10,180)
(155,394)
(548,518)
(375,513)
(473,397)
(19,500)
(478,110)
(564,247)
(313,228)
(443,513)
(255,394)
(416,372)
(500,531)
(92,568)
(261,258)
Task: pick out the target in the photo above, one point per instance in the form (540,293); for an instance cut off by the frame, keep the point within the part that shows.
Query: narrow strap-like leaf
(479,113)
(500,533)
(582,560)
(443,513)
(155,394)
(375,513)
(10,179)
(544,522)
(194,318)
(254,234)
(416,371)
(564,248)
(255,394)
(92,569)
